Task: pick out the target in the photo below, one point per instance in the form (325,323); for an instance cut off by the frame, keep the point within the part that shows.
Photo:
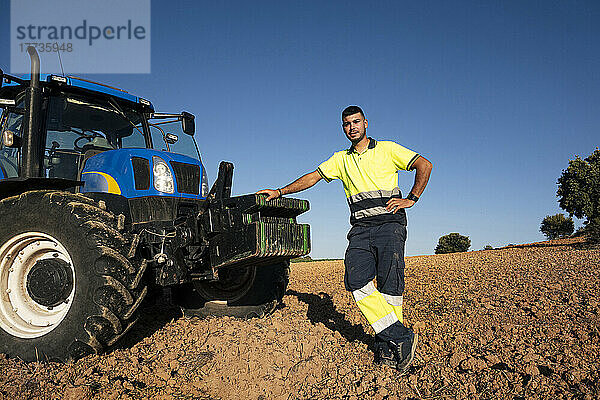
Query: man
(369,172)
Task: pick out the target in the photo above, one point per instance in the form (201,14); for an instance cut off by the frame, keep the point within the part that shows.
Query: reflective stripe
(398,311)
(392,300)
(370,212)
(396,303)
(384,322)
(373,194)
(370,203)
(363,292)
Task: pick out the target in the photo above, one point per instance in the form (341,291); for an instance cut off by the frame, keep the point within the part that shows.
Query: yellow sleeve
(402,157)
(329,169)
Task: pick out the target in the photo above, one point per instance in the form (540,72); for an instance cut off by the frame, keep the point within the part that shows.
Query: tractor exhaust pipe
(32,147)
(35,67)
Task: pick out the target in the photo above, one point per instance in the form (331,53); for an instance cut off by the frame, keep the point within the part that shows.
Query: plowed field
(513,323)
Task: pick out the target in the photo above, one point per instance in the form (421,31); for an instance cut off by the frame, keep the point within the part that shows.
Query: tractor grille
(187,177)
(141,173)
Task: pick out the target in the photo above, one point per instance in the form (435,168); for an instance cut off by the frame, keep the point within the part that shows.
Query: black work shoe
(404,353)
(384,356)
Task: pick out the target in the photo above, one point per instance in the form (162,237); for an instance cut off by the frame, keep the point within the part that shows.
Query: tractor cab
(79,120)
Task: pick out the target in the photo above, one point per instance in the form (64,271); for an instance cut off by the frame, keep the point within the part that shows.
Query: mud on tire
(52,235)
(246,293)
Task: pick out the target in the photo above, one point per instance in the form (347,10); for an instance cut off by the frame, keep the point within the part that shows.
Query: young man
(369,172)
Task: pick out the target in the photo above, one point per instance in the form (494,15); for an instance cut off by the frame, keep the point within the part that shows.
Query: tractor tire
(251,292)
(67,288)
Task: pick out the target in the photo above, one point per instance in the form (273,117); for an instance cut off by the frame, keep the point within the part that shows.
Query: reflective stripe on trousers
(381,310)
(396,303)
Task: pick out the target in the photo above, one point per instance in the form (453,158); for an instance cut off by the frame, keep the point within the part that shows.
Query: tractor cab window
(167,135)
(79,128)
(134,139)
(9,156)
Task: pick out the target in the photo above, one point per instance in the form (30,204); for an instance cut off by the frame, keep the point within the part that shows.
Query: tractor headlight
(163,178)
(204,183)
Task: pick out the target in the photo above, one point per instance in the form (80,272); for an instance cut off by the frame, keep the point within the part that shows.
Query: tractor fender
(15,186)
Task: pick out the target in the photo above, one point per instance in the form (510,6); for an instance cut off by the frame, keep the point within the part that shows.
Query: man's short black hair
(351,110)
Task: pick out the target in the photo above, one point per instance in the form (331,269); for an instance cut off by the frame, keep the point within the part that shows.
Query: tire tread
(120,280)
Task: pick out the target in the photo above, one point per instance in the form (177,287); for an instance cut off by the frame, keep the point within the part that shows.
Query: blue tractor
(104,202)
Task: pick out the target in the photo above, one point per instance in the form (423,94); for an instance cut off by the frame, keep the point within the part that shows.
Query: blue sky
(498,95)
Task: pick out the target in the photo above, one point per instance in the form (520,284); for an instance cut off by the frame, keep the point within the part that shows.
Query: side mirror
(10,139)
(187,123)
(171,138)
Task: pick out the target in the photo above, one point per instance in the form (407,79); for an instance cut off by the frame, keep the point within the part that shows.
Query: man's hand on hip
(395,204)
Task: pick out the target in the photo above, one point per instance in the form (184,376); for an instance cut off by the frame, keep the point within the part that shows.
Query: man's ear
(366,123)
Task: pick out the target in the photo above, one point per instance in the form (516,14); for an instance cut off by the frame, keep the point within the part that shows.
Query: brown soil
(520,322)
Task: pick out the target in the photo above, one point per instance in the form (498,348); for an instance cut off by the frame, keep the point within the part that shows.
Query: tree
(555,226)
(593,230)
(488,247)
(453,243)
(579,191)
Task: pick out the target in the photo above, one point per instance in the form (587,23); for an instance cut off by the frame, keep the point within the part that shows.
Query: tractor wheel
(66,286)
(242,293)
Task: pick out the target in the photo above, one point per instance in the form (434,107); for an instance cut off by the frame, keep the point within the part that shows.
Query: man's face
(355,127)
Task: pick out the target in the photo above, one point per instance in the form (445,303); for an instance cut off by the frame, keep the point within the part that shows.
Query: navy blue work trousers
(377,253)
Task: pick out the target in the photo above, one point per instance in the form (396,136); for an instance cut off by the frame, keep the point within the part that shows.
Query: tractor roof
(81,83)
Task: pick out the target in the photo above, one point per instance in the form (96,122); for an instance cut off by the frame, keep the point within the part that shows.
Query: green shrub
(555,226)
(453,243)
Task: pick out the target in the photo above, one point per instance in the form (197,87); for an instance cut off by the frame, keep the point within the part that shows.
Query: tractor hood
(136,172)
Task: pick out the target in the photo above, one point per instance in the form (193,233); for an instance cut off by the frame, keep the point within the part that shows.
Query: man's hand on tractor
(395,204)
(271,194)
(304,182)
